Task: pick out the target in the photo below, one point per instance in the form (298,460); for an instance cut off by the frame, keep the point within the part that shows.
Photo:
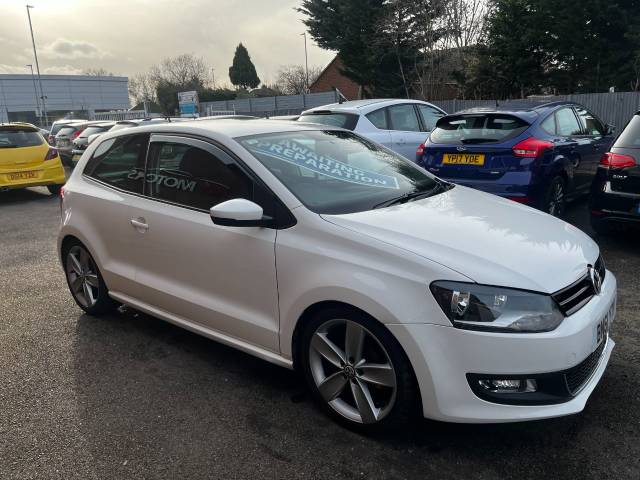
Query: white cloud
(72,50)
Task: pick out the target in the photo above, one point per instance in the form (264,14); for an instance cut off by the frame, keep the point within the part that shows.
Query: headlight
(480,307)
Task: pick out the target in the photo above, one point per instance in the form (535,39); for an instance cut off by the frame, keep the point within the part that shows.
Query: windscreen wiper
(410,196)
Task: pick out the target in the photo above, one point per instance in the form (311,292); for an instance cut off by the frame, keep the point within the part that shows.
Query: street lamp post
(35,54)
(306,62)
(35,93)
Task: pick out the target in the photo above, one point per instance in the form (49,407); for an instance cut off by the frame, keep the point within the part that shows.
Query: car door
(572,144)
(116,172)
(406,132)
(429,116)
(222,278)
(375,127)
(597,138)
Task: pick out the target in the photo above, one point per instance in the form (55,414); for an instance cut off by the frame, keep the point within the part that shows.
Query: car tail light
(76,134)
(51,140)
(614,160)
(51,154)
(531,147)
(62,193)
(524,200)
(420,150)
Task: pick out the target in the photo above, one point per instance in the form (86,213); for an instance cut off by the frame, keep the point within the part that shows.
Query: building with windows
(81,94)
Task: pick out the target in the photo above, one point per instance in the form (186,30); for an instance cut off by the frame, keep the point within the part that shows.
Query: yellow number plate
(463,158)
(22,175)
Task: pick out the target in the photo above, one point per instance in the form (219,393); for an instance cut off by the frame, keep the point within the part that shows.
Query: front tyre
(357,371)
(85,281)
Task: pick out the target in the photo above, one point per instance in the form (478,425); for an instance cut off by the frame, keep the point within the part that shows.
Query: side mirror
(239,213)
(611,129)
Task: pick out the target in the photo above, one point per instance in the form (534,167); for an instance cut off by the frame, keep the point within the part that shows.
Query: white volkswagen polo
(394,292)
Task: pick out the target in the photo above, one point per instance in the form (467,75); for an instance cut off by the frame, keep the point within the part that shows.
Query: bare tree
(185,69)
(142,87)
(292,79)
(97,72)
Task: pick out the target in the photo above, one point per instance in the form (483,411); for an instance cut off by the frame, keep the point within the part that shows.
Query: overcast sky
(128,36)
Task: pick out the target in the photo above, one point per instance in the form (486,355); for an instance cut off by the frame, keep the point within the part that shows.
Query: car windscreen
(95,129)
(14,137)
(66,131)
(630,136)
(331,119)
(484,128)
(338,172)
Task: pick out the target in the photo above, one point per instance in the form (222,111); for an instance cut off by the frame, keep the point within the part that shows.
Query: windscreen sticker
(297,154)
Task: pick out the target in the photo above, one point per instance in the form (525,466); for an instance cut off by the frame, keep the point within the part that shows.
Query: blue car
(542,154)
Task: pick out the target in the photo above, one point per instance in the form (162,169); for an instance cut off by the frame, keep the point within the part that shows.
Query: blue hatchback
(541,154)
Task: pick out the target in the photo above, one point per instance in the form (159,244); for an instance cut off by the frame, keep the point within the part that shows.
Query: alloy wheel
(556,199)
(83,276)
(352,371)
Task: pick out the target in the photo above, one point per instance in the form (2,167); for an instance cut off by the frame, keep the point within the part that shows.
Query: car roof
(229,127)
(514,106)
(364,106)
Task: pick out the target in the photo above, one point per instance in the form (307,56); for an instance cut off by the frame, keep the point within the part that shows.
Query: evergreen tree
(242,72)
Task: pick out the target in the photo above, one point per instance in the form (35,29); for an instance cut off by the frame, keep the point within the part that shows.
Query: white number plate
(601,329)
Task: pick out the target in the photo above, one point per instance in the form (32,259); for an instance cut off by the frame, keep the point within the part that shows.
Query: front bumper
(442,357)
(50,172)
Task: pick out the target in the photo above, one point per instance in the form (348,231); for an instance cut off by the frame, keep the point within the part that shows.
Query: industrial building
(81,94)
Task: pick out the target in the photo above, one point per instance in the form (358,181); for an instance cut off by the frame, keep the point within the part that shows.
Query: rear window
(65,131)
(630,136)
(14,137)
(332,119)
(486,128)
(91,130)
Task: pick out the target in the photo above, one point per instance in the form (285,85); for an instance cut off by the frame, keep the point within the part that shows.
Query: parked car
(65,137)
(56,126)
(392,291)
(615,191)
(81,142)
(542,154)
(397,124)
(27,160)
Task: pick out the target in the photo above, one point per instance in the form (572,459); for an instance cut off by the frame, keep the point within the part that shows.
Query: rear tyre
(358,372)
(554,201)
(600,225)
(54,189)
(85,281)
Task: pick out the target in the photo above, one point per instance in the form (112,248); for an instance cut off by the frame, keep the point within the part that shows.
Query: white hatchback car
(401,125)
(311,247)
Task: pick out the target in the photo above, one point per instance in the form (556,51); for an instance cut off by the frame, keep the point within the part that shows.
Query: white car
(311,247)
(401,125)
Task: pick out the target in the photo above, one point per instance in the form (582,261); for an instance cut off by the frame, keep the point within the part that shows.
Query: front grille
(577,376)
(572,298)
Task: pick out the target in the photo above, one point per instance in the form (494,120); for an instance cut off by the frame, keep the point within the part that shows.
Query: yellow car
(27,160)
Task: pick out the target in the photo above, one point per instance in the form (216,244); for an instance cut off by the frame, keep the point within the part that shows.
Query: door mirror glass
(611,129)
(238,212)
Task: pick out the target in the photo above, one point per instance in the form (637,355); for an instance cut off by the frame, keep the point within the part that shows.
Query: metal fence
(612,108)
(124,115)
(280,105)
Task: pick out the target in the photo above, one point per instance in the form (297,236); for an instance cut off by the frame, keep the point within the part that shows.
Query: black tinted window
(429,116)
(120,162)
(567,123)
(190,176)
(403,118)
(482,128)
(379,119)
(630,136)
(590,123)
(12,138)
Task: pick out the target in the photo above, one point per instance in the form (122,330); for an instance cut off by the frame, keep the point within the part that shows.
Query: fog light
(508,385)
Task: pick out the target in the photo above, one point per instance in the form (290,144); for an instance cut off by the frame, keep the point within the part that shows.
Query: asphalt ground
(128,396)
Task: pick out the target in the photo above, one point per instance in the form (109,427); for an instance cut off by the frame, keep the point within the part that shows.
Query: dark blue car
(541,154)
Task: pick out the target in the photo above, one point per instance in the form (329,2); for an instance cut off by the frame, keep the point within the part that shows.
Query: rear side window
(566,123)
(483,128)
(120,162)
(332,119)
(191,176)
(590,123)
(378,118)
(15,138)
(429,116)
(403,118)
(630,136)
